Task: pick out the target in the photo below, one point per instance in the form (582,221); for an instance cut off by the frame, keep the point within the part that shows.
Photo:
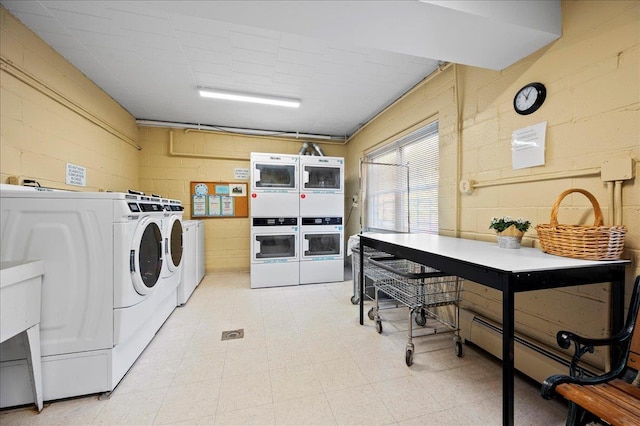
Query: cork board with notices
(219,200)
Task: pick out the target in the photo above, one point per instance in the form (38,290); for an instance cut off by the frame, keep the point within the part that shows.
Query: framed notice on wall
(219,199)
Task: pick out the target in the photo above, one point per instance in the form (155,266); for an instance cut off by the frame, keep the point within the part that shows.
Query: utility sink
(20,296)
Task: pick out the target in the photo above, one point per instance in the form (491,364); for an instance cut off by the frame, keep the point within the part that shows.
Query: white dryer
(274,252)
(173,234)
(102,298)
(274,185)
(321,186)
(321,250)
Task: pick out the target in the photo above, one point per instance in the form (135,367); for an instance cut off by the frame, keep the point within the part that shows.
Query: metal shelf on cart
(404,267)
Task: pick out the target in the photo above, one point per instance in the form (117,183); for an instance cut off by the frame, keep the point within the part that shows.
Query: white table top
(525,259)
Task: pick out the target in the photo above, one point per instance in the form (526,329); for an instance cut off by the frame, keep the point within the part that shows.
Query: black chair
(613,396)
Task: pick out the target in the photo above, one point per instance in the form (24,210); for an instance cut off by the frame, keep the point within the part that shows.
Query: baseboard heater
(532,358)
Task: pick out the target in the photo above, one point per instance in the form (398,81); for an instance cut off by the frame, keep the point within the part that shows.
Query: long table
(508,270)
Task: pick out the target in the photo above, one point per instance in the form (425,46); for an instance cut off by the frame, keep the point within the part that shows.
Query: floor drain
(233,334)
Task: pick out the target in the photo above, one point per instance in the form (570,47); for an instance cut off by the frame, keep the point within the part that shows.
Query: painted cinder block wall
(593,114)
(51,115)
(209,157)
(592,75)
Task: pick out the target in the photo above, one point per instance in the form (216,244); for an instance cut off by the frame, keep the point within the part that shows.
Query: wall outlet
(466,186)
(13,180)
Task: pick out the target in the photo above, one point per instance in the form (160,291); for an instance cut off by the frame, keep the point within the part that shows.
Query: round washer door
(146,256)
(173,243)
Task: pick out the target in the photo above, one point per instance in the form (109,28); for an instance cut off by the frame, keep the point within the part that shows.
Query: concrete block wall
(592,113)
(51,115)
(204,156)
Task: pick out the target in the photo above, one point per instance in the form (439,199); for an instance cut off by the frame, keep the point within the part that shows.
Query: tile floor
(304,360)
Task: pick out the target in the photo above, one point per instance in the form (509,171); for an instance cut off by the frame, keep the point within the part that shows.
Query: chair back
(633,360)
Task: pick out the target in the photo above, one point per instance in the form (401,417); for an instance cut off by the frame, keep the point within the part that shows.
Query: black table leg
(508,368)
(617,314)
(361,281)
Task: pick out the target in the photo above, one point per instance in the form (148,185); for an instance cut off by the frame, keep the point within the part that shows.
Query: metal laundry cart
(368,277)
(420,289)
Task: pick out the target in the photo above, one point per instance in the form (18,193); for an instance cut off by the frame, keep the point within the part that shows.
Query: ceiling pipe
(234,130)
(303,148)
(318,149)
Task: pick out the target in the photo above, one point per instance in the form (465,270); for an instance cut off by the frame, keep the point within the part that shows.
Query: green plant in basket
(502,223)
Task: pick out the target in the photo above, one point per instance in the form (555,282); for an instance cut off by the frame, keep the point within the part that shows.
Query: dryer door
(173,243)
(145,261)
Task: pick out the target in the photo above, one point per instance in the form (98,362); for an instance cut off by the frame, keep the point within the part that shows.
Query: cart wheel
(459,349)
(379,326)
(372,313)
(409,357)
(355,300)
(421,318)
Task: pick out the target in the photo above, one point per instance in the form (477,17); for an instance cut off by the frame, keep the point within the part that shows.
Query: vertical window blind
(401,184)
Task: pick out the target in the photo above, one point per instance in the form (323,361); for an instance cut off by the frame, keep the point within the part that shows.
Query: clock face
(529,98)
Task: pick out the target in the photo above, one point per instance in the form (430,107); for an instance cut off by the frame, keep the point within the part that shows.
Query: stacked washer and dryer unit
(274,220)
(321,219)
(107,288)
(297,207)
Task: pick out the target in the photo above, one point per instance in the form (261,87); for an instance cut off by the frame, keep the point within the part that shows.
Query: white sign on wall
(241,174)
(76,175)
(527,146)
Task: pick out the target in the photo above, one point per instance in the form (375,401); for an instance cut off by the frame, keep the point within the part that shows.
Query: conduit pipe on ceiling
(192,155)
(239,131)
(421,83)
(45,89)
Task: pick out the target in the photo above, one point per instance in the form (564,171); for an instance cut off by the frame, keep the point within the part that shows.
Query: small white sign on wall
(76,175)
(241,174)
(528,145)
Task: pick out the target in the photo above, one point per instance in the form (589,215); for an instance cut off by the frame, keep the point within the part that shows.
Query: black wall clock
(529,98)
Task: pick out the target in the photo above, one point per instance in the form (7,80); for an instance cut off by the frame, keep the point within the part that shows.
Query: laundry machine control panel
(321,221)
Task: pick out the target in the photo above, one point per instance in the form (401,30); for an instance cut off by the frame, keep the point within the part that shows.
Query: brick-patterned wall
(226,240)
(41,131)
(592,75)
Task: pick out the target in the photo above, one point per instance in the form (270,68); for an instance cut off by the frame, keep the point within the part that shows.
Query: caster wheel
(421,318)
(371,314)
(379,326)
(459,349)
(355,300)
(409,357)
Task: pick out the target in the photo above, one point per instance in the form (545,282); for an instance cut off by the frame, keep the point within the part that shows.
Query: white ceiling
(345,60)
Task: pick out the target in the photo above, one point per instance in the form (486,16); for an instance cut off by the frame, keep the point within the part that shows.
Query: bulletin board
(219,200)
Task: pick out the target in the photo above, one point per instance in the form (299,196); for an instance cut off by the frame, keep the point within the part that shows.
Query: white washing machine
(321,250)
(193,259)
(321,186)
(274,185)
(274,252)
(102,298)
(200,253)
(173,243)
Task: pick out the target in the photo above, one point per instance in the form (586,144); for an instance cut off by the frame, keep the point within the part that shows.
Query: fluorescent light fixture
(247,97)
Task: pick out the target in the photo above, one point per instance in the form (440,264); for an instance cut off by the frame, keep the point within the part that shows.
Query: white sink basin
(20,294)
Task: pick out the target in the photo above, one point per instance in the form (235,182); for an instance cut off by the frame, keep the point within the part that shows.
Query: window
(401,184)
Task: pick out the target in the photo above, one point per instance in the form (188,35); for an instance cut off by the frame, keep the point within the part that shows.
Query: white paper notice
(228,206)
(241,174)
(527,146)
(199,206)
(76,175)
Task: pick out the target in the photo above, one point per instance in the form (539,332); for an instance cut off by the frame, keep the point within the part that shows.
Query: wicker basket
(595,242)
